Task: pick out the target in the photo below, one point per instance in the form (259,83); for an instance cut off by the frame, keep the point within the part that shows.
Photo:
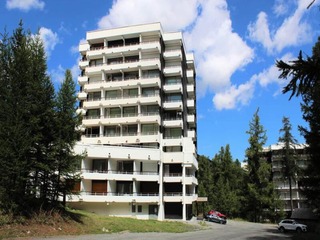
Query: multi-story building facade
(137,98)
(274,155)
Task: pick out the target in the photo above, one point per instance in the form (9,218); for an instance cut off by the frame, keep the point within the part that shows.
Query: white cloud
(25,5)
(280,7)
(49,38)
(207,28)
(57,75)
(234,96)
(219,51)
(292,32)
(173,15)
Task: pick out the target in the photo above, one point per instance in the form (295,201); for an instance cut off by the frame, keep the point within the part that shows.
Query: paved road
(233,230)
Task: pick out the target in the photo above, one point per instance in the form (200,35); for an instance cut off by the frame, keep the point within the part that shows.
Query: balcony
(172,178)
(82,96)
(191,118)
(172,157)
(172,54)
(173,70)
(81,111)
(83,64)
(82,80)
(145,64)
(173,122)
(172,88)
(173,105)
(190,75)
(190,88)
(84,47)
(114,197)
(190,103)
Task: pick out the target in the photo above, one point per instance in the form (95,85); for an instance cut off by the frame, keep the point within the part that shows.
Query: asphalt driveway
(233,230)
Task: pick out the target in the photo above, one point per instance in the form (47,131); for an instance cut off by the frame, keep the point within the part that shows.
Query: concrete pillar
(184,207)
(161,213)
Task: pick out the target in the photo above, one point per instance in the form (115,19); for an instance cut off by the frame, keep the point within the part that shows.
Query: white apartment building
(137,98)
(273,154)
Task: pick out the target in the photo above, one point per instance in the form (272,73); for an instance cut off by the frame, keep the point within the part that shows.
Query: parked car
(216,218)
(219,214)
(291,225)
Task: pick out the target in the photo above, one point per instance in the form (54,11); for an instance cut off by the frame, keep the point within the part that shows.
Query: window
(94,96)
(130,93)
(139,208)
(92,132)
(130,111)
(172,149)
(149,110)
(113,112)
(124,187)
(99,187)
(173,132)
(112,131)
(125,166)
(115,60)
(114,94)
(149,129)
(99,165)
(150,74)
(153,209)
(172,80)
(129,59)
(150,92)
(130,130)
(174,97)
(131,75)
(93,113)
(133,208)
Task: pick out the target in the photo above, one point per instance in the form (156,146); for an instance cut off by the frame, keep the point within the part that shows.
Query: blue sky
(235,44)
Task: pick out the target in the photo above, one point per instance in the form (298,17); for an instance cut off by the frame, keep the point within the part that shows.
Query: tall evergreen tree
(289,166)
(67,122)
(261,195)
(304,75)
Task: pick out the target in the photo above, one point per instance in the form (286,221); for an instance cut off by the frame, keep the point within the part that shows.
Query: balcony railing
(117,194)
(119,172)
(125,134)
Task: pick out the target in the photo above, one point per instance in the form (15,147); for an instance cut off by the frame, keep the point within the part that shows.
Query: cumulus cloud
(57,75)
(219,51)
(25,5)
(235,96)
(293,30)
(49,38)
(173,15)
(280,7)
(207,29)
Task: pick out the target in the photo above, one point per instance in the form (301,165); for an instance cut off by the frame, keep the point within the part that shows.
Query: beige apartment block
(138,101)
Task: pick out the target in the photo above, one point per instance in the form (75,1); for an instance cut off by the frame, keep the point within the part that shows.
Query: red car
(219,214)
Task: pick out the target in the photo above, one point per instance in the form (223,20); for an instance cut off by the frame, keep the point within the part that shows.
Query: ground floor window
(153,209)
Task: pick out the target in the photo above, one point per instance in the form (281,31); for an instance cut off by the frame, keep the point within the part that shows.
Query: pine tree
(261,195)
(67,122)
(304,75)
(290,168)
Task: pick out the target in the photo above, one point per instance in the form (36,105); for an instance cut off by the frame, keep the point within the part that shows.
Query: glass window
(149,129)
(130,111)
(114,94)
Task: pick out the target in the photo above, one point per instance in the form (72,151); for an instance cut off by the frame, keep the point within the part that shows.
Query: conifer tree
(304,76)
(67,122)
(289,166)
(261,195)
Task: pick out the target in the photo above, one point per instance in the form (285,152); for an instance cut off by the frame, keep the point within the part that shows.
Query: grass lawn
(80,222)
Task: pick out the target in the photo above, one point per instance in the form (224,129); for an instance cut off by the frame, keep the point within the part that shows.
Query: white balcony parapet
(82,95)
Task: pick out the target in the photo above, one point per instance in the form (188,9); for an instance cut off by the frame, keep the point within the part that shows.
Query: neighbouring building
(137,98)
(273,153)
